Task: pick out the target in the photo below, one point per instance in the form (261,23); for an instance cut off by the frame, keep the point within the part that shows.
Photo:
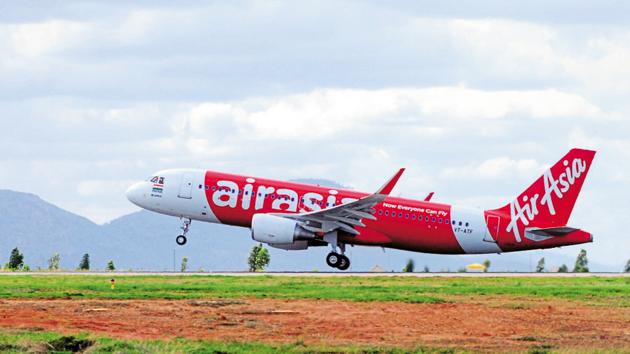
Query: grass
(612,291)
(29,341)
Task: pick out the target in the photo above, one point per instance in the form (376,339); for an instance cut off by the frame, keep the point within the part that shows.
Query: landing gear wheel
(344,262)
(181,240)
(332,259)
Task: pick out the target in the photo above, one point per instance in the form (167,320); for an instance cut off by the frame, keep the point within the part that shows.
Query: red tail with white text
(541,213)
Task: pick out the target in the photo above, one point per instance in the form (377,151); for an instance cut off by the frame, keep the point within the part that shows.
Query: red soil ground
(494,324)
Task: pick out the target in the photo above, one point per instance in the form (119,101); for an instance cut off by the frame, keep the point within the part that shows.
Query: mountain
(146,241)
(41,229)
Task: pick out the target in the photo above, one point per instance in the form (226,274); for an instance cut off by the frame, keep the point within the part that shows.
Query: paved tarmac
(326,274)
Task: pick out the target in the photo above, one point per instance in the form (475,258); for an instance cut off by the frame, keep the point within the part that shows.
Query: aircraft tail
(549,201)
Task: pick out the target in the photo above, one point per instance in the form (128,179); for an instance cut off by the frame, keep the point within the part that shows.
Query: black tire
(332,259)
(181,240)
(344,262)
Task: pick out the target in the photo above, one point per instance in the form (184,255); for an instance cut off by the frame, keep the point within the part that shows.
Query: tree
(53,262)
(541,265)
(486,265)
(258,258)
(563,269)
(16,261)
(110,266)
(426,269)
(85,262)
(184,264)
(581,263)
(409,267)
(627,268)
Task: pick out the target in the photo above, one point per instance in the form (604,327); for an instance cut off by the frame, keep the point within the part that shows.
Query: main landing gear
(339,261)
(334,259)
(181,239)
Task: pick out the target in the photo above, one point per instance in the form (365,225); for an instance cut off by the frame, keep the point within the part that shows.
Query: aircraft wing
(345,216)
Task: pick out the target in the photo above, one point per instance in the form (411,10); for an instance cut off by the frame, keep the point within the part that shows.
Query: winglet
(389,185)
(429,196)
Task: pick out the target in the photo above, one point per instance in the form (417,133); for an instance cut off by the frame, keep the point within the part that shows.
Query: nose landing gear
(181,239)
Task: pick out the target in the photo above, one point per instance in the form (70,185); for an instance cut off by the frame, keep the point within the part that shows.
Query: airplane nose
(136,193)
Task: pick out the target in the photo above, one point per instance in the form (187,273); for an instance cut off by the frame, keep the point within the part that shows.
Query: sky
(475,98)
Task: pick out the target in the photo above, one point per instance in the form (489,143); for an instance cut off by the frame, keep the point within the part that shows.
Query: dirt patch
(489,325)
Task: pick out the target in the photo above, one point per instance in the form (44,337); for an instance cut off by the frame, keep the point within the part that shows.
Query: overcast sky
(475,98)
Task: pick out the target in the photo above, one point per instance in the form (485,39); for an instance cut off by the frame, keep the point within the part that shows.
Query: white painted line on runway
(324,274)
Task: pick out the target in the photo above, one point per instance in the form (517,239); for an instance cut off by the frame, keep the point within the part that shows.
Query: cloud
(32,40)
(495,168)
(323,114)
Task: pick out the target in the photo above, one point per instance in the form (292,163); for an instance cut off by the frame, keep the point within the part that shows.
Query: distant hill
(146,241)
(40,229)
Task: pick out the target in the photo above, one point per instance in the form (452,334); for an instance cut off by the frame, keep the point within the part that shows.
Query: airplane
(296,216)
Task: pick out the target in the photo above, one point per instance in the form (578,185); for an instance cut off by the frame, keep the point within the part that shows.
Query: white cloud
(31,40)
(495,168)
(323,114)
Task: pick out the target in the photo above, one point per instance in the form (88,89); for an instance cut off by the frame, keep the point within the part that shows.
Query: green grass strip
(25,341)
(614,291)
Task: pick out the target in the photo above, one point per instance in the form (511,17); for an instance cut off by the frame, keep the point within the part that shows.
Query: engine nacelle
(278,230)
(295,246)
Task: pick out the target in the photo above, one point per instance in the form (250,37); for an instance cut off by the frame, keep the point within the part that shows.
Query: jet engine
(276,230)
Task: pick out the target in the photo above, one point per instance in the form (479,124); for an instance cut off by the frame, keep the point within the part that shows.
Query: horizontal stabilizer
(551,231)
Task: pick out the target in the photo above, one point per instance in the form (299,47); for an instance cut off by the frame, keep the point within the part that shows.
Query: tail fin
(548,202)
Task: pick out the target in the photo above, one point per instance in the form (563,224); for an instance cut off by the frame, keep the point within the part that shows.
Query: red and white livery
(295,216)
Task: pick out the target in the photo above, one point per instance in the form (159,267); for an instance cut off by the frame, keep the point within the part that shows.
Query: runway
(324,274)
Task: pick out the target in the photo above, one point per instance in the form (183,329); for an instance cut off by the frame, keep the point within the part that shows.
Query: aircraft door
(493,229)
(185,187)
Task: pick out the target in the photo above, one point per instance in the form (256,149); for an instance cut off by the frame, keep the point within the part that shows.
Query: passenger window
(466,224)
(386,212)
(439,220)
(400,215)
(460,223)
(446,221)
(413,216)
(380,212)
(406,216)
(213,188)
(426,218)
(433,219)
